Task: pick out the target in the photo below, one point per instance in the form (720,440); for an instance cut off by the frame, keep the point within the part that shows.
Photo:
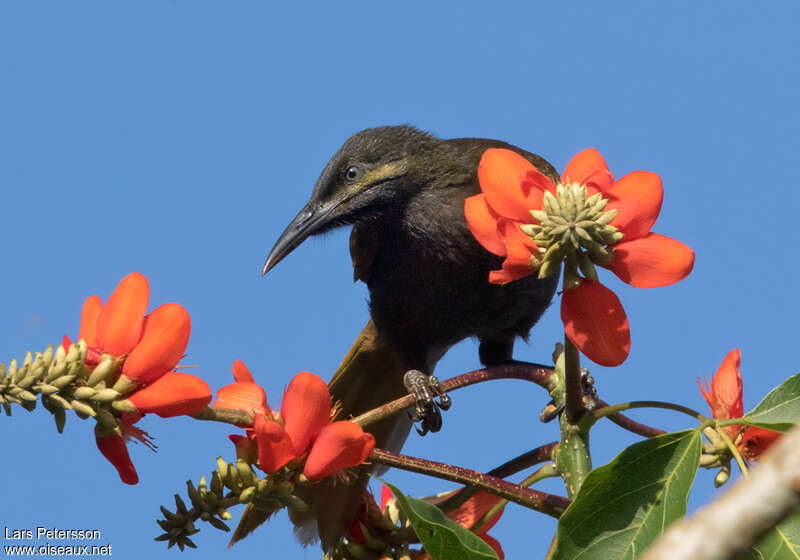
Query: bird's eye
(353,173)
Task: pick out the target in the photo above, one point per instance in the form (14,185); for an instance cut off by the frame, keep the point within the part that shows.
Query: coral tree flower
(149,347)
(725,397)
(586,219)
(303,429)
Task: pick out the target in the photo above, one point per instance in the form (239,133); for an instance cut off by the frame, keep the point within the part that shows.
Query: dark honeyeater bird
(403,191)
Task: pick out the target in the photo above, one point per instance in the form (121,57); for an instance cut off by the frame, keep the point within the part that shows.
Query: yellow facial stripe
(378,174)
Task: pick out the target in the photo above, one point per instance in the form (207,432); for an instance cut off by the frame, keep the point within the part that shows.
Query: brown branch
(536,373)
(744,514)
(533,457)
(540,501)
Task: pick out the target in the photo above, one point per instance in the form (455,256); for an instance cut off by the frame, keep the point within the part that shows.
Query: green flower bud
(84,393)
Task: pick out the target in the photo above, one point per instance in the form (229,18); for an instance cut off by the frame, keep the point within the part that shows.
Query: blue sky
(179,138)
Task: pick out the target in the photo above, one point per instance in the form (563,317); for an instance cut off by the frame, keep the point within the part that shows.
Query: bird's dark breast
(429,284)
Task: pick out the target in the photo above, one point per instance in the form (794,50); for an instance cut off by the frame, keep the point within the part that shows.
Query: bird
(403,191)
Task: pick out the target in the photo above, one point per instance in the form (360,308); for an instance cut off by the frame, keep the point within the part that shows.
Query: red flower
(725,397)
(303,427)
(113,448)
(512,187)
(151,346)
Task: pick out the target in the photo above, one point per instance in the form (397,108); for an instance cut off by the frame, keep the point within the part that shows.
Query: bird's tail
(371,374)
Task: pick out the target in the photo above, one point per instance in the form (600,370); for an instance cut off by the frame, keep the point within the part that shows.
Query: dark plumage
(403,190)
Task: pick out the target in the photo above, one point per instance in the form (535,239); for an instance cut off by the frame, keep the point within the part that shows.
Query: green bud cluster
(64,383)
(572,226)
(208,504)
(231,484)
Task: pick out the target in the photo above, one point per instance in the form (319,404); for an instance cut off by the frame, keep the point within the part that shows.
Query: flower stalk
(573,383)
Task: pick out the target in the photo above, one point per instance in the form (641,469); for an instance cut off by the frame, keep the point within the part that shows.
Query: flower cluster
(303,429)
(584,220)
(725,397)
(136,353)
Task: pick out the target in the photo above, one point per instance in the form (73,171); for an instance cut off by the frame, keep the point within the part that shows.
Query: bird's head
(374,170)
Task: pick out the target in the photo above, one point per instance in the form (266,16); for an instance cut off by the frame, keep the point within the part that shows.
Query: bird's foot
(589,394)
(588,384)
(430,399)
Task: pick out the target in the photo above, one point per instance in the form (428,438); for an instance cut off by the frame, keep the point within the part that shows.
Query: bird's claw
(551,411)
(588,390)
(429,400)
(588,384)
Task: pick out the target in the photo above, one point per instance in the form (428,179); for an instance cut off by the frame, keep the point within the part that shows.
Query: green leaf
(443,538)
(625,505)
(782,543)
(780,409)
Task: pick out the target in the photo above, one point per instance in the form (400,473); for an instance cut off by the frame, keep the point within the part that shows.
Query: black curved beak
(307,222)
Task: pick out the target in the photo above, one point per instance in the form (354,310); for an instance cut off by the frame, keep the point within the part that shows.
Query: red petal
(726,388)
(588,168)
(755,441)
(129,419)
(66,343)
(471,511)
(637,198)
(338,446)
(275,448)
(164,339)
(724,395)
(241,373)
(493,542)
(173,394)
(92,308)
(113,448)
(243,396)
(518,261)
(386,495)
(119,326)
(306,409)
(519,246)
(508,273)
(482,222)
(511,183)
(595,322)
(652,261)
